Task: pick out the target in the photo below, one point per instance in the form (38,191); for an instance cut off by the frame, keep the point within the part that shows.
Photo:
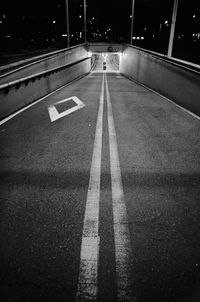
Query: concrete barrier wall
(16,95)
(45,62)
(175,81)
(105,47)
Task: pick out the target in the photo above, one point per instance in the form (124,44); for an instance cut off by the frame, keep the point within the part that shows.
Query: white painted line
(123,251)
(55,115)
(88,274)
(6,119)
(21,110)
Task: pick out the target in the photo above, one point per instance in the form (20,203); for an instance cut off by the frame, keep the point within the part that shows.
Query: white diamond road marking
(55,115)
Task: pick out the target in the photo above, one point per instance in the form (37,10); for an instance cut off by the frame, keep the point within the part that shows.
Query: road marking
(55,115)
(6,119)
(88,274)
(123,251)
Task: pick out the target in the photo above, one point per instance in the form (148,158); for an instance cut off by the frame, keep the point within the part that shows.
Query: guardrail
(175,79)
(18,93)
(43,62)
(32,78)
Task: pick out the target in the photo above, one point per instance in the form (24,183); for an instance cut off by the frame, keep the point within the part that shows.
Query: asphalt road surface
(100,196)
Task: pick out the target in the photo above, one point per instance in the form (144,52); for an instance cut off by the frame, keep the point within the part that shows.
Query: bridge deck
(149,242)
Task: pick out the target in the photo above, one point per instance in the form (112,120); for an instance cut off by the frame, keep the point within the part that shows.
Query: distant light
(130,16)
(134,38)
(153,36)
(92,18)
(80,16)
(64,35)
(138,38)
(194,16)
(142,38)
(54,21)
(1,21)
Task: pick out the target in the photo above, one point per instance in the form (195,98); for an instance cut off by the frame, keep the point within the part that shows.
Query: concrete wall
(105,47)
(179,83)
(44,62)
(17,94)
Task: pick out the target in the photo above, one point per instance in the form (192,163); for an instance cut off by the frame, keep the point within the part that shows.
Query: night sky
(113,13)
(46,19)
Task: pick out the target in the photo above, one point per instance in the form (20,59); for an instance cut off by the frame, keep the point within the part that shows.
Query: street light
(67,22)
(85,25)
(172,30)
(132,18)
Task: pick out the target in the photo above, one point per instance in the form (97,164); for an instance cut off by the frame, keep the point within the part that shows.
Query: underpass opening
(105,61)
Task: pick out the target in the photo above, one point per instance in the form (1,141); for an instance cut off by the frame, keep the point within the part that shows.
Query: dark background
(28,25)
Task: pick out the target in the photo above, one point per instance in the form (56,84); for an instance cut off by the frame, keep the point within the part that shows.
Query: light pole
(67,22)
(132,18)
(172,30)
(85,22)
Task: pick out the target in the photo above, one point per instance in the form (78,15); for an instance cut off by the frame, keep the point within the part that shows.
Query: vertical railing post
(172,30)
(132,19)
(85,22)
(67,22)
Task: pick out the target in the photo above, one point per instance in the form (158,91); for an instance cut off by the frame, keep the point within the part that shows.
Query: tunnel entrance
(105,61)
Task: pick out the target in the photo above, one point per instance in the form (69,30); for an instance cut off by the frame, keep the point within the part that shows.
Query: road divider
(89,256)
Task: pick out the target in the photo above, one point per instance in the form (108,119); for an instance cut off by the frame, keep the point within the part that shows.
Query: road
(100,203)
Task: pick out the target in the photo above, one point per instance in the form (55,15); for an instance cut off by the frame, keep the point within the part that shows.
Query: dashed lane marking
(123,251)
(88,272)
